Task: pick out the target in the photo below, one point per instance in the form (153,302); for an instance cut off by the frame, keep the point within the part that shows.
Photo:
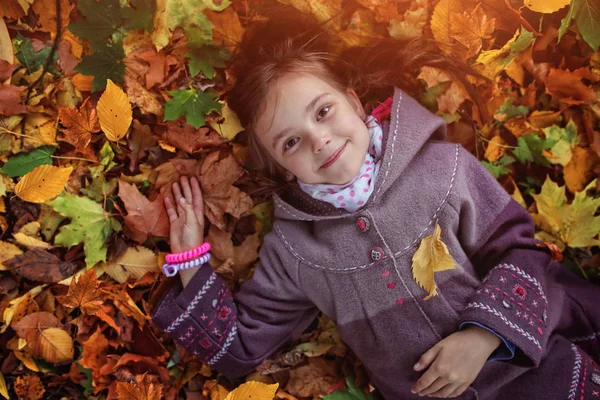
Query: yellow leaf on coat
(431,256)
(253,390)
(114,112)
(43,183)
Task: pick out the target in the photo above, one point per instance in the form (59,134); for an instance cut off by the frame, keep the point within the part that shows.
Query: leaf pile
(104,103)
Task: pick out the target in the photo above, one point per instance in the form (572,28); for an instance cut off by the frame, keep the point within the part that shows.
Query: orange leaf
(554,250)
(29,386)
(568,87)
(470,30)
(144,218)
(84,294)
(94,353)
(79,125)
(142,390)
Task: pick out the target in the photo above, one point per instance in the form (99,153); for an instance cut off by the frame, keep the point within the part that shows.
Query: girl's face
(313,131)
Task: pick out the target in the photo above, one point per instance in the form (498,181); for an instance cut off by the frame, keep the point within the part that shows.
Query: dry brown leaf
(84,294)
(144,218)
(471,29)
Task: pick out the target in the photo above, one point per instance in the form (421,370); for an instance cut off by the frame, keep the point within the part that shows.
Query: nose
(320,139)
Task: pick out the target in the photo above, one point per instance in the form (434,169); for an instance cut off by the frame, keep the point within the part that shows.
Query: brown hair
(293,42)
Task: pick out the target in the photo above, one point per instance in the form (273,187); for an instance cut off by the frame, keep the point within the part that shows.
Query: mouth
(332,158)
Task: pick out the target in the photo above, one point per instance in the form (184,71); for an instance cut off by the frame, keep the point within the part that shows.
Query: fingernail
(412,391)
(182,200)
(416,366)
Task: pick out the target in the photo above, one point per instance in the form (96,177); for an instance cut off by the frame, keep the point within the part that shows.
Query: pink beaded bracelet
(188,255)
(172,269)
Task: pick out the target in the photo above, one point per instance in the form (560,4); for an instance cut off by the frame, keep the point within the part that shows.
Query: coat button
(363,224)
(376,253)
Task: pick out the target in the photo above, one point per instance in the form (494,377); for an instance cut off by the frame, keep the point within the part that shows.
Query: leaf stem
(496,144)
(4,130)
(75,158)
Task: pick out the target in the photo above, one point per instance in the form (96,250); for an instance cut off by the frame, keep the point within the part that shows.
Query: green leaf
(508,110)
(587,19)
(523,41)
(530,148)
(89,224)
(101,20)
(22,163)
(140,15)
(194,104)
(565,139)
(106,62)
(499,167)
(353,393)
(565,22)
(204,59)
(32,60)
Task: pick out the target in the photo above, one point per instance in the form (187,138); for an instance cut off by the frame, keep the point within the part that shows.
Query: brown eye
(290,143)
(321,110)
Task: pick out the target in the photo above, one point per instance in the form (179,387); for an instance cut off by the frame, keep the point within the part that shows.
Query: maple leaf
(194,104)
(106,62)
(470,30)
(220,196)
(32,59)
(353,393)
(79,125)
(564,138)
(101,20)
(144,218)
(142,390)
(84,294)
(94,353)
(431,256)
(568,87)
(190,139)
(573,225)
(89,224)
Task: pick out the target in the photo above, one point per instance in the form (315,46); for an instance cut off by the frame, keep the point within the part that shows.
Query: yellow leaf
(31,242)
(495,149)
(8,251)
(231,126)
(3,388)
(135,261)
(6,48)
(575,224)
(14,304)
(114,112)
(253,390)
(166,146)
(26,359)
(431,256)
(43,183)
(546,6)
(54,345)
(440,19)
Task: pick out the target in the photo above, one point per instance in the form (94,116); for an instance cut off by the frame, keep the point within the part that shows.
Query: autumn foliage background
(84,232)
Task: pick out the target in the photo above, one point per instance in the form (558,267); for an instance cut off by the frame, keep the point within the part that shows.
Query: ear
(355,102)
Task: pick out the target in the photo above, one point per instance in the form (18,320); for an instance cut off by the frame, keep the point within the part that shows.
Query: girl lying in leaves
(428,267)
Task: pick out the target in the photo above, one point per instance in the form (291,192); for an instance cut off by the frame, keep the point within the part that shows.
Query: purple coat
(356,269)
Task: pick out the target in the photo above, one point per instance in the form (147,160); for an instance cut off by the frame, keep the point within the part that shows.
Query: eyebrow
(308,108)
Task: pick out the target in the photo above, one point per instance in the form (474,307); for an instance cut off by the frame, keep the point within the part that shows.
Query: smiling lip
(334,157)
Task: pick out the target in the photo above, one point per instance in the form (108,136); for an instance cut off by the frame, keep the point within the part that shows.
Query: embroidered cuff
(506,350)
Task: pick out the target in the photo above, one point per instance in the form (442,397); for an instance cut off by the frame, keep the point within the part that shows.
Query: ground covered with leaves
(104,103)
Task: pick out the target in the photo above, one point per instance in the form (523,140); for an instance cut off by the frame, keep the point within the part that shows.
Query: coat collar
(409,128)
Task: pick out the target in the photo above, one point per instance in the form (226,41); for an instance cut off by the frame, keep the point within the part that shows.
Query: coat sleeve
(235,332)
(497,235)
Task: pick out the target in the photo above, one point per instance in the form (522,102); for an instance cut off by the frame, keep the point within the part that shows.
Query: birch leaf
(546,6)
(114,112)
(135,261)
(253,390)
(43,183)
(431,256)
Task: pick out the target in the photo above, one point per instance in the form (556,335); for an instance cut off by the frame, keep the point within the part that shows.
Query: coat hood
(410,126)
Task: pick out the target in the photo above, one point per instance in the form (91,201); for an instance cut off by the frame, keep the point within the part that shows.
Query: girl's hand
(456,360)
(187,216)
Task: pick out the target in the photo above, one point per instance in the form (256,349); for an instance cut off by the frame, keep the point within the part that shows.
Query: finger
(177,196)
(190,216)
(198,201)
(434,387)
(459,391)
(445,391)
(427,358)
(425,381)
(170,210)
(187,190)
